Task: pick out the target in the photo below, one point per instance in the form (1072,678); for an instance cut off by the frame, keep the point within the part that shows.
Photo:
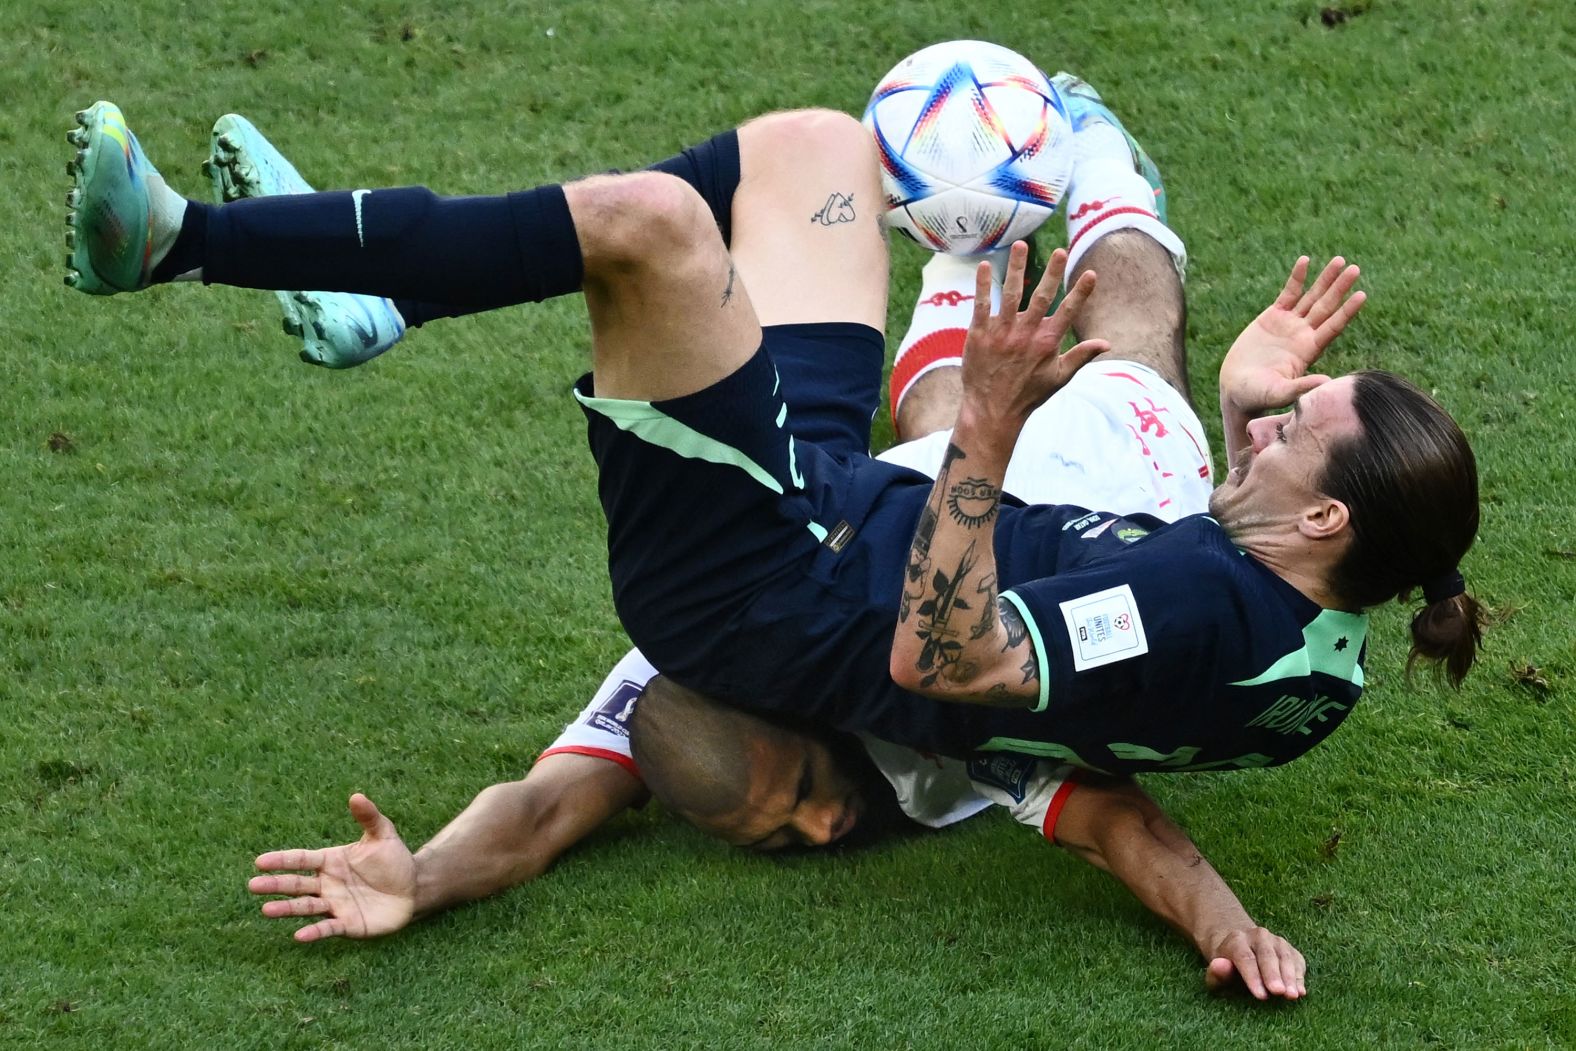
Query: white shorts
(1116,438)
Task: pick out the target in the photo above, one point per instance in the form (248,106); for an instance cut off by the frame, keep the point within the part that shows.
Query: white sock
(1108,194)
(941,319)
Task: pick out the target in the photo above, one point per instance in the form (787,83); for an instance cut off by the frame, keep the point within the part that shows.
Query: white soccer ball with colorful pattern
(975,146)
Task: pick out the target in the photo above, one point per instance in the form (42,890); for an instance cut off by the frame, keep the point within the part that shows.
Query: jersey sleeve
(1123,626)
(1033,790)
(601,729)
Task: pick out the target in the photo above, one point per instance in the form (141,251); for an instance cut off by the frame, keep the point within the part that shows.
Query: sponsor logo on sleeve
(1010,773)
(1104,628)
(612,715)
(1082,523)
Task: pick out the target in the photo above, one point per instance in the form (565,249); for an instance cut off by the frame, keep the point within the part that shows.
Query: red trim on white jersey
(1058,801)
(596,753)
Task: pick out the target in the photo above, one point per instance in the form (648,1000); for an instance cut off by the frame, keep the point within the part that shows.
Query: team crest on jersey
(612,715)
(1129,533)
(1010,773)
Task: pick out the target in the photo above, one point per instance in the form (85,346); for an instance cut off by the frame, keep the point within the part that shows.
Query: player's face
(799,796)
(1276,478)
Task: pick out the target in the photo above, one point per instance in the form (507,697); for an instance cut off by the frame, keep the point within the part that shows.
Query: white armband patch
(1104,627)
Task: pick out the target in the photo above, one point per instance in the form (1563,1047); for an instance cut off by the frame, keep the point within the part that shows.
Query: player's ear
(1325,519)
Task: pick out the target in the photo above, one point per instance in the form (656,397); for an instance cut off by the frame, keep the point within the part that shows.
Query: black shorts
(716,497)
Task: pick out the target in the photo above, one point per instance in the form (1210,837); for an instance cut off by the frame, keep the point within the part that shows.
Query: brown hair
(1410,482)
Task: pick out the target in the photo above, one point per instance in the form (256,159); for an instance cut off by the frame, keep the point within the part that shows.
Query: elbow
(901,667)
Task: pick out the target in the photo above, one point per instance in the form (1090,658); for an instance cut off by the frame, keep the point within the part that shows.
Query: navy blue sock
(408,243)
(712,168)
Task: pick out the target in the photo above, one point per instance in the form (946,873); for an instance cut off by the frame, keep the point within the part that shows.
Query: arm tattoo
(942,649)
(727,293)
(1017,632)
(1012,620)
(924,533)
(973,502)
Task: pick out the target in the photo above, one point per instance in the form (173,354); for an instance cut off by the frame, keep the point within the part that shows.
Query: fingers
(1337,321)
(287,884)
(1083,353)
(1012,284)
(310,905)
(1267,965)
(1073,302)
(1321,284)
(1050,281)
(371,820)
(1220,973)
(982,295)
(1292,291)
(1334,293)
(1302,386)
(329,928)
(275,860)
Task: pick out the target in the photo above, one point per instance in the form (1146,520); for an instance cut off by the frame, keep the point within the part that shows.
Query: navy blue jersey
(765,570)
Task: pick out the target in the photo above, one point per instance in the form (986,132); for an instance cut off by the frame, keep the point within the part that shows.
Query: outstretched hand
(1260,960)
(1267,367)
(365,889)
(1011,359)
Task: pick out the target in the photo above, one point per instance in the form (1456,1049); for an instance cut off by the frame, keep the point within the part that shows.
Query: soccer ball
(975,146)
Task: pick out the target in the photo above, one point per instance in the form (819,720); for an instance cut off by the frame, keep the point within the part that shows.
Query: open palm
(364,889)
(1267,366)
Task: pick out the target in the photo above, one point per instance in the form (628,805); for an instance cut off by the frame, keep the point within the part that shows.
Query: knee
(825,135)
(642,218)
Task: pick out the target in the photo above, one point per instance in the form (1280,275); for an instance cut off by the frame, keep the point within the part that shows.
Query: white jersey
(932,790)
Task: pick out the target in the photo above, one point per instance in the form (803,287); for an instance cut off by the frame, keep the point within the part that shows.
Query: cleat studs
(73,197)
(72,278)
(291,326)
(71,240)
(77,137)
(226,142)
(81,158)
(71,169)
(82,116)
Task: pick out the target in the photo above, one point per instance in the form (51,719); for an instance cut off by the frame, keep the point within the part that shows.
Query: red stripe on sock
(1103,216)
(938,346)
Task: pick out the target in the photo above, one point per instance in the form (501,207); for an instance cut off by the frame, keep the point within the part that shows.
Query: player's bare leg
(806,231)
(670,314)
(1138,304)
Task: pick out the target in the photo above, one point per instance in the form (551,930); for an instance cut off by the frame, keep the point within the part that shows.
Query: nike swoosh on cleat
(355,197)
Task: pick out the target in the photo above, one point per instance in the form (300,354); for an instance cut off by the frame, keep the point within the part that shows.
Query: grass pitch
(236,588)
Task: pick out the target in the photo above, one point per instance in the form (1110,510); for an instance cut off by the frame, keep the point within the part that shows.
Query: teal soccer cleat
(1085,105)
(337,329)
(111,219)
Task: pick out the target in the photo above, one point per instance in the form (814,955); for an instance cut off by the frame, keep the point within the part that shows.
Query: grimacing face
(1277,476)
(799,796)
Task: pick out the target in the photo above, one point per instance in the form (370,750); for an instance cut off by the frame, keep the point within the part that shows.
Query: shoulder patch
(1104,627)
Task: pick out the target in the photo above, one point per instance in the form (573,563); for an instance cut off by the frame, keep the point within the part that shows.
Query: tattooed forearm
(973,502)
(727,293)
(953,647)
(924,533)
(941,648)
(987,622)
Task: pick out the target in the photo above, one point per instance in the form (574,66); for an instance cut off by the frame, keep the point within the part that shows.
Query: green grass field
(234,589)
